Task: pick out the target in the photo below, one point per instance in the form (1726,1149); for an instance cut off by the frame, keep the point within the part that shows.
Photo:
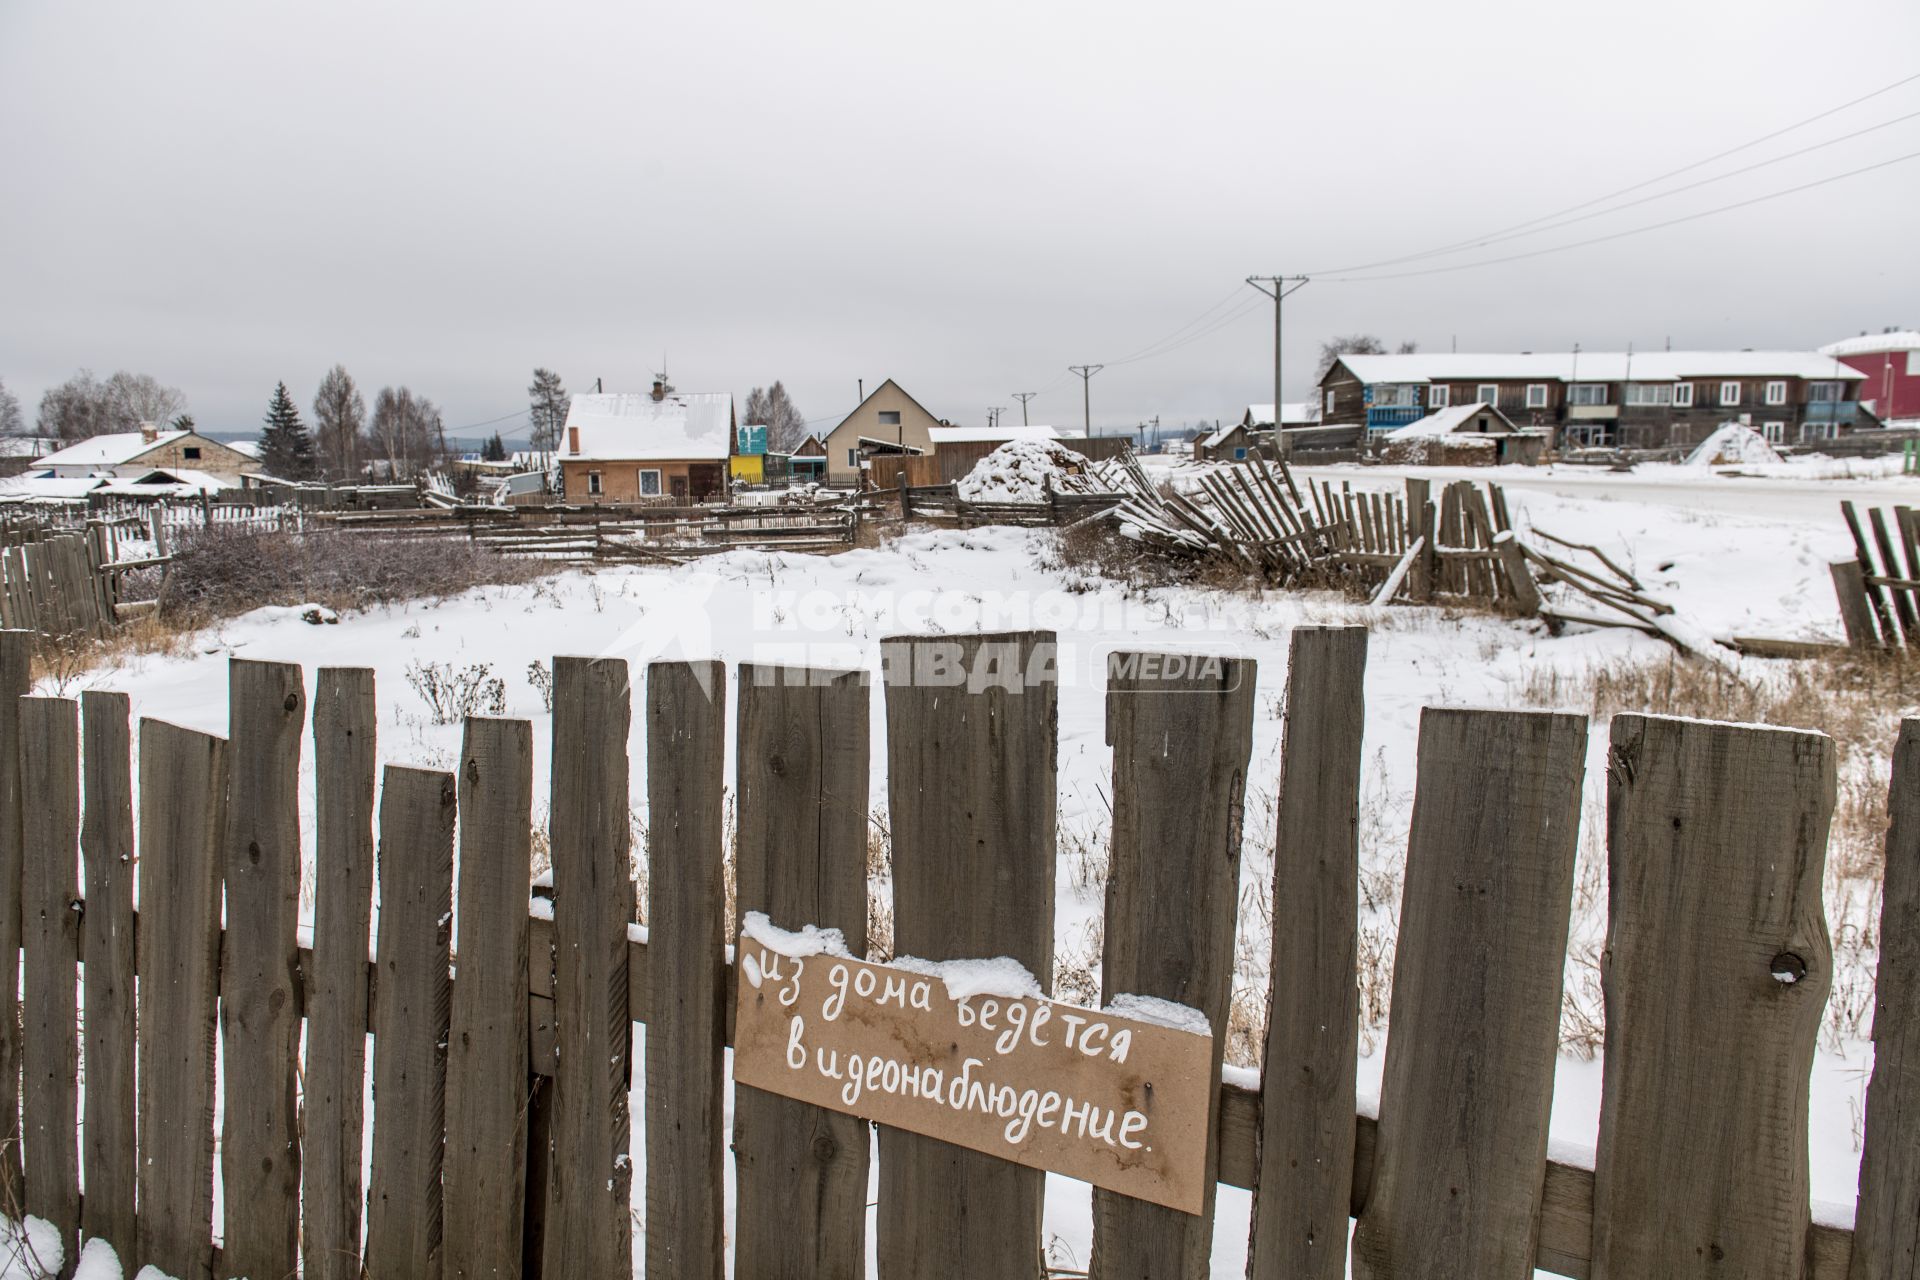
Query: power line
(1631,231)
(1627,190)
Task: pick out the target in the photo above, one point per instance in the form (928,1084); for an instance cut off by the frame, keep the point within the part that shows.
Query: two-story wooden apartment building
(1634,400)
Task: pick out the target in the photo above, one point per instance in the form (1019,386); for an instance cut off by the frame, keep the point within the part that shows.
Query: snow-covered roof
(1216,437)
(1441,422)
(1868,344)
(178,478)
(1295,413)
(634,427)
(44,488)
(1595,366)
(113,450)
(247,448)
(997,435)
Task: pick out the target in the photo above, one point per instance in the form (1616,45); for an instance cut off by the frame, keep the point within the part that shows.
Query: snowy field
(1744,555)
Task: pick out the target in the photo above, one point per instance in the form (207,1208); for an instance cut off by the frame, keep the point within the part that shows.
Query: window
(1396,395)
(1775,432)
(1683,395)
(1587,393)
(1913,364)
(1776,393)
(1649,393)
(1487,393)
(1825,392)
(853,457)
(1329,401)
(1536,395)
(191,452)
(649,484)
(1437,396)
(889,417)
(593,482)
(1819,430)
(1729,393)
(1239,455)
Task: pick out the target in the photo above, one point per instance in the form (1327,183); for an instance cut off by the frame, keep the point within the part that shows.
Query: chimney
(573,439)
(149,433)
(659,389)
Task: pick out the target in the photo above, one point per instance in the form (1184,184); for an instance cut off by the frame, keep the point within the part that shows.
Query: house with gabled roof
(888,421)
(649,447)
(129,454)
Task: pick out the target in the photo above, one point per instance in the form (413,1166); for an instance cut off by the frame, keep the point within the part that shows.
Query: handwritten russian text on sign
(1117,1101)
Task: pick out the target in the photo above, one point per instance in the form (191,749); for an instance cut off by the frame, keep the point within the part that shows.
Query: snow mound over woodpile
(1020,471)
(1733,443)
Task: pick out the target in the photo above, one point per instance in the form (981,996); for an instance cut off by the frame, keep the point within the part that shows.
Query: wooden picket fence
(500,1131)
(1879,595)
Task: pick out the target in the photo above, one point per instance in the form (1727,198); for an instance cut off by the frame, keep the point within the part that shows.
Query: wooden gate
(500,1134)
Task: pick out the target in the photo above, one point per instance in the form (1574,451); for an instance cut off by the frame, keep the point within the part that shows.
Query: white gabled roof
(113,450)
(1595,366)
(1298,413)
(1869,344)
(1441,422)
(634,427)
(996,435)
(1226,429)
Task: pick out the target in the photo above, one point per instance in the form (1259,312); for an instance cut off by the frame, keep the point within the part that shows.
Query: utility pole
(1278,288)
(1086,372)
(993,415)
(1023,397)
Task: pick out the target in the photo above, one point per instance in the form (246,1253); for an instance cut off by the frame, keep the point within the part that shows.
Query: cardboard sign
(1122,1103)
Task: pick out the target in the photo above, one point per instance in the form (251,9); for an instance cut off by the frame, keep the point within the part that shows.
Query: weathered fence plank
(1468,1088)
(16,661)
(1886,1226)
(1313,1014)
(1180,747)
(50,934)
(259,980)
(410,1024)
(486,1166)
(588,1232)
(106,847)
(686,957)
(344,735)
(1719,967)
(801,1171)
(183,794)
(971,786)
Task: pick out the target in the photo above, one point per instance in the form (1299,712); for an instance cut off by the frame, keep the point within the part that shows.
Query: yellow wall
(749,468)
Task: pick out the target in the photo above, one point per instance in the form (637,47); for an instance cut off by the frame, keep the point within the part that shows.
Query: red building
(1891,363)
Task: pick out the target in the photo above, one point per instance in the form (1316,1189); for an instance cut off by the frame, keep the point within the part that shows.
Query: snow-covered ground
(1736,555)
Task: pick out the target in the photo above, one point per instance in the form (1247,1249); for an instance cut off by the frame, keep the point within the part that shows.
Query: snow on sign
(970,1053)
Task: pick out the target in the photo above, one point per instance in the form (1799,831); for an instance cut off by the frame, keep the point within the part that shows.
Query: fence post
(802,774)
(971,786)
(1886,1232)
(1304,1189)
(486,1172)
(686,963)
(404,1203)
(1719,965)
(587,1229)
(1180,748)
(106,845)
(16,660)
(1856,615)
(50,787)
(259,983)
(183,800)
(330,1170)
(1461,1147)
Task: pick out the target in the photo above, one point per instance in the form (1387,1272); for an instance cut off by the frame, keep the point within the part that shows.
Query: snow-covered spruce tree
(286,450)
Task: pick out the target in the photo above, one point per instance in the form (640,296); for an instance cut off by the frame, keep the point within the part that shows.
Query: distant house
(888,421)
(1634,400)
(1229,443)
(809,461)
(1463,435)
(1889,365)
(129,454)
(657,446)
(1294,413)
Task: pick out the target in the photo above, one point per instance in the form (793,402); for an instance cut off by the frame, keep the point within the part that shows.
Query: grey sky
(966,199)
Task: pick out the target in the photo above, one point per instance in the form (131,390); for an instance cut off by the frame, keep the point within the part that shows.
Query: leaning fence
(1879,596)
(500,1129)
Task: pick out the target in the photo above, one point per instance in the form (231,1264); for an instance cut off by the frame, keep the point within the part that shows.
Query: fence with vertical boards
(1879,594)
(500,1131)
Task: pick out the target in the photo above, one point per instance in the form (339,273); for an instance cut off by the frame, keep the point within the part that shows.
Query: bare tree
(134,398)
(11,421)
(76,409)
(407,432)
(1350,344)
(774,409)
(339,416)
(546,410)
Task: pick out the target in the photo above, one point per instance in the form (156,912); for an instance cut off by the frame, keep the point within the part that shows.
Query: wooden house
(659,447)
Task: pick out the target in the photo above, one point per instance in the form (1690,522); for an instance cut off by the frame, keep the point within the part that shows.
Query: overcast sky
(967,199)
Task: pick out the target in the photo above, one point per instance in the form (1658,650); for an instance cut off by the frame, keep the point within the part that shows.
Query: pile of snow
(1020,471)
(1733,443)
